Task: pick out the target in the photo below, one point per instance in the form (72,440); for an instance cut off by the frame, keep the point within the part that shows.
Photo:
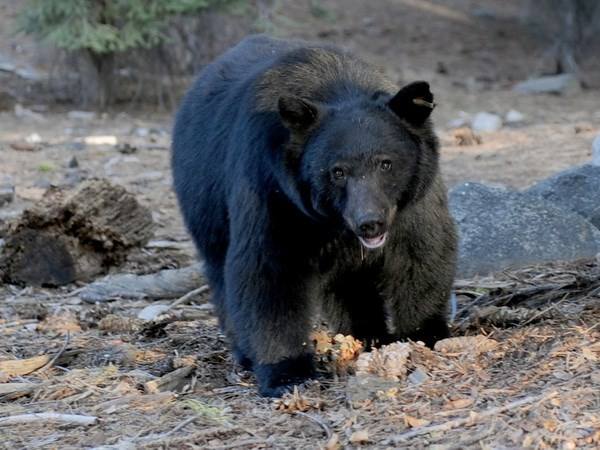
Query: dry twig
(75,419)
(447,426)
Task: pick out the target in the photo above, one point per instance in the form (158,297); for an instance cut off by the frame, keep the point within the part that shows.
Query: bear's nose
(371,226)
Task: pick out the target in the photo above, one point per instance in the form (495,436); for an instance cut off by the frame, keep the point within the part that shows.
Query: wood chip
(359,437)
(414,422)
(18,367)
(172,381)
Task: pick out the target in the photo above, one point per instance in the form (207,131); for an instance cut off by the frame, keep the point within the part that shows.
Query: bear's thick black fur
(310,186)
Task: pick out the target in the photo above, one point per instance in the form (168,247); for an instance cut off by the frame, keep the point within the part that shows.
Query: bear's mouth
(374,242)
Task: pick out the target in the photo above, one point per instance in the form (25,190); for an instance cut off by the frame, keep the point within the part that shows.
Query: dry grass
(538,388)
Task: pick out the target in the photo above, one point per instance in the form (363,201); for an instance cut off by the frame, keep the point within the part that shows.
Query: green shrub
(106,26)
(100,29)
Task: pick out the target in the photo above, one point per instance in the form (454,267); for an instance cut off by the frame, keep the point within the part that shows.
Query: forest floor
(538,387)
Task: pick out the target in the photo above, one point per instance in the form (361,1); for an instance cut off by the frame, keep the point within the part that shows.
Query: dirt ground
(539,387)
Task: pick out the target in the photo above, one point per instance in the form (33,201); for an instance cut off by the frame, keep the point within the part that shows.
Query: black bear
(310,186)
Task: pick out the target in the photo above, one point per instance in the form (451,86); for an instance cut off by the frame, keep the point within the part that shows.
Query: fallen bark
(71,236)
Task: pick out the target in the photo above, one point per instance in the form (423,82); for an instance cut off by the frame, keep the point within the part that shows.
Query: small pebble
(514,116)
(151,312)
(486,122)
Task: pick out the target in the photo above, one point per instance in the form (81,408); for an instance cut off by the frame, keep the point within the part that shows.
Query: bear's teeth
(375,242)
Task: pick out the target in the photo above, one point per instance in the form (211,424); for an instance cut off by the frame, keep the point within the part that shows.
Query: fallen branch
(74,419)
(16,388)
(58,354)
(169,382)
(18,367)
(318,421)
(189,296)
(447,426)
(166,284)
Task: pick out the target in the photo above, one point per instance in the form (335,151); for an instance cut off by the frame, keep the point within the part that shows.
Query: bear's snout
(371,225)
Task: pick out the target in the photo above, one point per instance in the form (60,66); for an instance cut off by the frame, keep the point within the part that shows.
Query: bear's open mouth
(375,242)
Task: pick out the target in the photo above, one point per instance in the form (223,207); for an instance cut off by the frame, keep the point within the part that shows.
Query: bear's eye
(386,165)
(338,173)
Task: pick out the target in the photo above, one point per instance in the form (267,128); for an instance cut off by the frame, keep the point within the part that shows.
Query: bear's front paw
(276,379)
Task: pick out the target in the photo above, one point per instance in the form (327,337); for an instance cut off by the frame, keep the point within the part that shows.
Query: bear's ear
(296,113)
(413,103)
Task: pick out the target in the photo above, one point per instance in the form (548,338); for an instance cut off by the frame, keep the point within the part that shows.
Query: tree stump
(74,236)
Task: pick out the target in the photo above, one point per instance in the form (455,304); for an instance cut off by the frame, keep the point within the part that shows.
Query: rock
(151,312)
(73,177)
(84,116)
(486,122)
(33,138)
(73,163)
(77,146)
(513,116)
(147,177)
(364,388)
(22,146)
(24,113)
(7,101)
(115,165)
(7,193)
(462,120)
(101,140)
(500,228)
(552,84)
(418,376)
(27,73)
(141,132)
(576,189)
(596,151)
(126,148)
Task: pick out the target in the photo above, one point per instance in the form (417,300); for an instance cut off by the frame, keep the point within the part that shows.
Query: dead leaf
(414,422)
(465,136)
(322,342)
(459,403)
(333,443)
(589,353)
(294,401)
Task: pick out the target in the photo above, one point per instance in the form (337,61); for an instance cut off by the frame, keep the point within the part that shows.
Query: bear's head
(361,160)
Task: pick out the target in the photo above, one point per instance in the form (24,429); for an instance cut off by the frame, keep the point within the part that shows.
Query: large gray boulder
(501,228)
(576,189)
